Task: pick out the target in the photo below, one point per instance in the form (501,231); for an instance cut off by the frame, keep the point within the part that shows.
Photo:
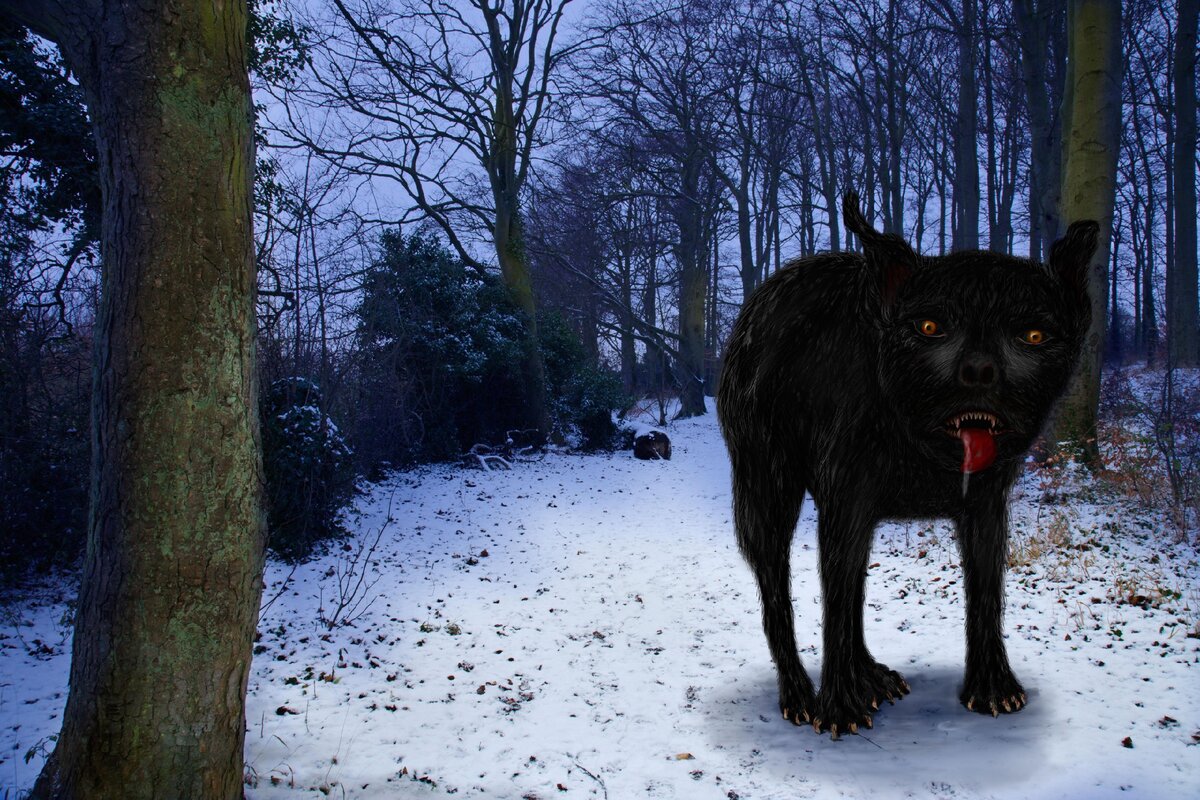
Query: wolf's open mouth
(973,419)
(975,429)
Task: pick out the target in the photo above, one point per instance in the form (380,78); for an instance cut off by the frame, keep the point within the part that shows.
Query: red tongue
(979,449)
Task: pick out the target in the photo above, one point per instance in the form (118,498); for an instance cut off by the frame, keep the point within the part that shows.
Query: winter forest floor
(583,626)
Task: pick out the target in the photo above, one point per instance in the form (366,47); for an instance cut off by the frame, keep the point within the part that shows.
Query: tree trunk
(1183,335)
(895,99)
(1010,168)
(747,268)
(1114,349)
(628,345)
(656,373)
(711,315)
(509,235)
(1149,312)
(942,169)
(1089,189)
(966,155)
(514,269)
(693,287)
(822,121)
(995,244)
(1144,244)
(1036,31)
(173,571)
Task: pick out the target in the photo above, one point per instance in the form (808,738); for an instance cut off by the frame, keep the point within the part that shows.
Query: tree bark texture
(173,571)
(1089,190)
(1183,342)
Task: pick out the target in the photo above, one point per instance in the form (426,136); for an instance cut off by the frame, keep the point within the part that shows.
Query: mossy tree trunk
(173,571)
(507,171)
(1091,139)
(514,269)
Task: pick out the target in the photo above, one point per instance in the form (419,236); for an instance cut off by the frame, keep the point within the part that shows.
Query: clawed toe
(999,694)
(797,717)
(819,726)
(845,707)
(839,720)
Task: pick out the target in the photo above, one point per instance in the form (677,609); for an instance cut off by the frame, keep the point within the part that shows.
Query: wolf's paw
(839,712)
(881,683)
(993,693)
(847,702)
(797,704)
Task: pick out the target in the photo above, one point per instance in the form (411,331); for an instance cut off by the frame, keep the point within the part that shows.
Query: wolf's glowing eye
(928,327)
(1033,337)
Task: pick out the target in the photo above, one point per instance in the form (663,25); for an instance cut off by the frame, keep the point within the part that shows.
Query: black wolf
(890,385)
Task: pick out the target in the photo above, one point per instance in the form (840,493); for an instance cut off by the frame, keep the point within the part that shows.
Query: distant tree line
(669,156)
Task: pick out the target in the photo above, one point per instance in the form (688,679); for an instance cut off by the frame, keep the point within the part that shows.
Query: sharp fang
(982,416)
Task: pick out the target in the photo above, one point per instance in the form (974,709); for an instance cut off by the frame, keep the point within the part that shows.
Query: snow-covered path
(583,626)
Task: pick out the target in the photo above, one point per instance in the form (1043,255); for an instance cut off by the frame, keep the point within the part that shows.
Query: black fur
(828,386)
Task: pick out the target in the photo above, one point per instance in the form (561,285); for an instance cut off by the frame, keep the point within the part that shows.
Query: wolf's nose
(977,371)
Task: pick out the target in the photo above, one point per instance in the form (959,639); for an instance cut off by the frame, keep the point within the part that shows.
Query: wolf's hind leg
(765,513)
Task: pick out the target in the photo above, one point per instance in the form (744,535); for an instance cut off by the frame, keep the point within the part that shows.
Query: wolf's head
(975,347)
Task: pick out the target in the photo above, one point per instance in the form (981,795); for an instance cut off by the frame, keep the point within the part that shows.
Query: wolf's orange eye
(928,327)
(1033,337)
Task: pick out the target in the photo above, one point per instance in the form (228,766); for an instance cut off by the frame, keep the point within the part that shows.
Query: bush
(439,354)
(582,395)
(307,466)
(1151,437)
(440,362)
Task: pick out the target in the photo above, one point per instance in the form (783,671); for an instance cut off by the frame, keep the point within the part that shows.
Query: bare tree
(1041,32)
(449,102)
(312,249)
(597,239)
(653,73)
(757,135)
(963,20)
(1003,123)
(1149,135)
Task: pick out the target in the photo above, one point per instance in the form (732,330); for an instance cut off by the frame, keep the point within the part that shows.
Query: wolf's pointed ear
(1071,255)
(889,255)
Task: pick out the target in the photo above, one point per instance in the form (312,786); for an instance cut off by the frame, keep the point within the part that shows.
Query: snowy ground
(583,626)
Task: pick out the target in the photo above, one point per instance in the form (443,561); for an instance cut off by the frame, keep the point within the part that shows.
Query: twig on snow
(596,777)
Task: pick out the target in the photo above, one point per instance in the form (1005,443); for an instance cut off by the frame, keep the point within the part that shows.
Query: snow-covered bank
(583,626)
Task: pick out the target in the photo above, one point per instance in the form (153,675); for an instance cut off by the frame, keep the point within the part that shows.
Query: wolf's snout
(977,371)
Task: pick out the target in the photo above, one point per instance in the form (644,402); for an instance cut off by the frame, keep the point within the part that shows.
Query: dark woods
(49,230)
(435,272)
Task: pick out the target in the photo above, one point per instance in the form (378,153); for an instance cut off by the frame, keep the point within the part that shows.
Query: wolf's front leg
(853,684)
(989,686)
